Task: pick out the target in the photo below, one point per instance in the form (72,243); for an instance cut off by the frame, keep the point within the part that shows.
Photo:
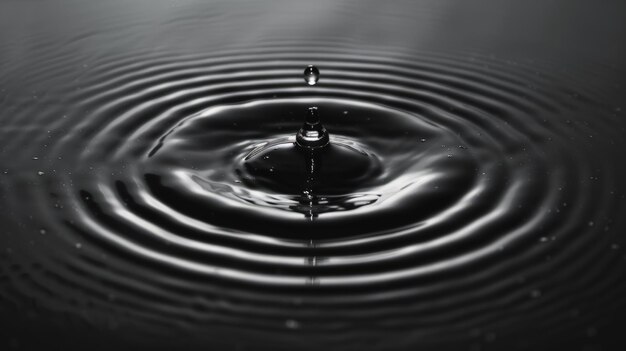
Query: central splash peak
(312,134)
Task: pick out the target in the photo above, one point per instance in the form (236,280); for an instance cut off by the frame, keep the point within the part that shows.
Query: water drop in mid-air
(311,75)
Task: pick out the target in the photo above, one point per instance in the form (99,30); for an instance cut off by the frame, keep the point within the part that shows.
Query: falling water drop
(311,75)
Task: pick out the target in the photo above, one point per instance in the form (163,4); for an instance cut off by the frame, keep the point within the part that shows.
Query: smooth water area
(166,183)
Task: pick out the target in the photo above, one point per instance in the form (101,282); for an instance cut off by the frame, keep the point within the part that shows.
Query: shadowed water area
(154,193)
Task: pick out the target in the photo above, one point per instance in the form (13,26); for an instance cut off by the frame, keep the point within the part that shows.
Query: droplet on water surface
(292,324)
(311,75)
(312,134)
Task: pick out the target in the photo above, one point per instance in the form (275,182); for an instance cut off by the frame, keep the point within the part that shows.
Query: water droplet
(40,173)
(311,75)
(79,245)
(292,324)
(422,140)
(35,158)
(42,231)
(312,135)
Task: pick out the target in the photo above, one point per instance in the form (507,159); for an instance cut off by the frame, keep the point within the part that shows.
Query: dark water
(471,197)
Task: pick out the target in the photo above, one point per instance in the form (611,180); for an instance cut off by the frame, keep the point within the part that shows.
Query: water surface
(479,206)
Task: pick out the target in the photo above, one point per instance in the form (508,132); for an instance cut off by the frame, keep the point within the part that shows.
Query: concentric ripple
(477,187)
